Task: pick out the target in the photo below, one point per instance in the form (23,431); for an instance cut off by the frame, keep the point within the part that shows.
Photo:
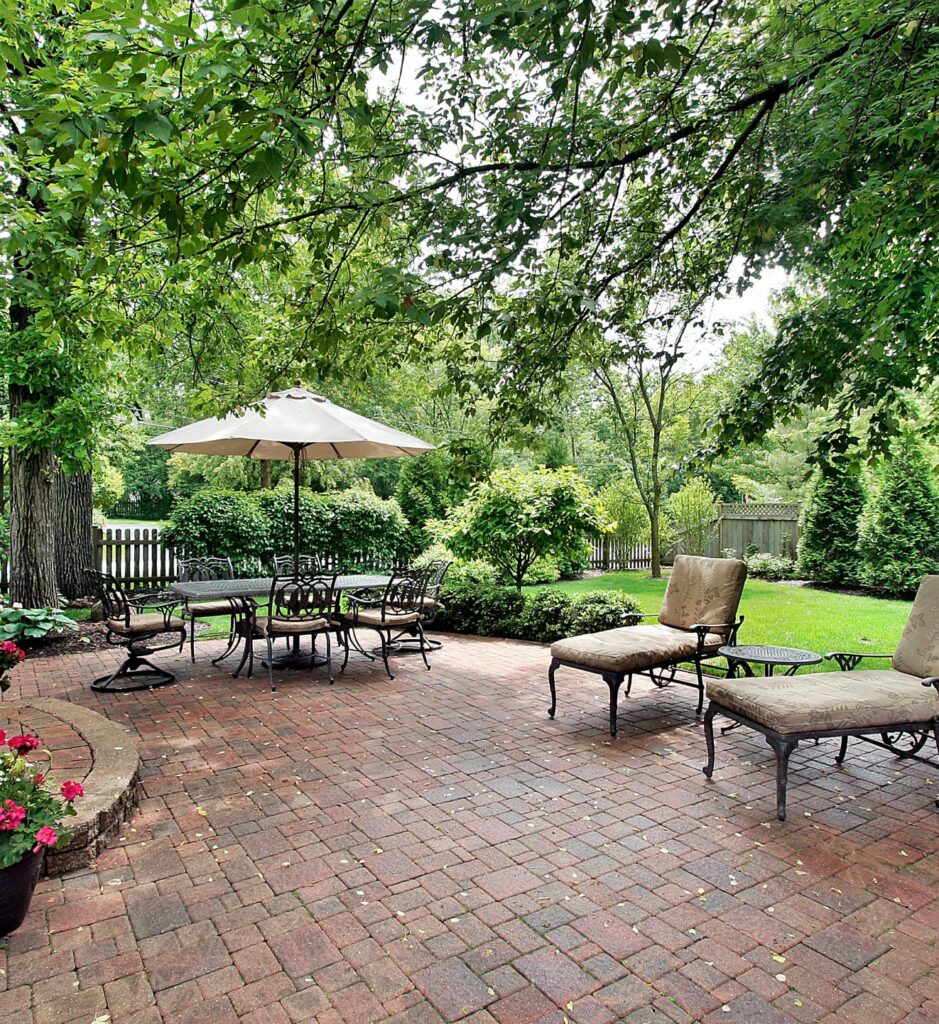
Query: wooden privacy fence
(771,526)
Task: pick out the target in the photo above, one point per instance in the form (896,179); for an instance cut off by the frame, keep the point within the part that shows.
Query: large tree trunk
(74,548)
(654,544)
(32,539)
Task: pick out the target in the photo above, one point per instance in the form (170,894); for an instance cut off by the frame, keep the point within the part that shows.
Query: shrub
(24,624)
(899,537)
(514,518)
(828,541)
(547,616)
(355,527)
(626,511)
(574,563)
(223,524)
(602,609)
(474,602)
(543,570)
(107,485)
(765,566)
(424,491)
(692,513)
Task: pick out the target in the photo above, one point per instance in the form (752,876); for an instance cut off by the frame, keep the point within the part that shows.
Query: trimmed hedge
(356,528)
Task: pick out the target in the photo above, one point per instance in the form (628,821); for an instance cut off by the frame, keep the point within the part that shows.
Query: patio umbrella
(298,425)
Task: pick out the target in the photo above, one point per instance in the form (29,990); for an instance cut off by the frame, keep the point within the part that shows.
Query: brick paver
(435,848)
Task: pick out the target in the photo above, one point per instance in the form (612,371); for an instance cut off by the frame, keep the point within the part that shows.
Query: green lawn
(775,613)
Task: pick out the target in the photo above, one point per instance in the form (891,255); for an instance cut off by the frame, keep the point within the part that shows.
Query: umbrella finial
(298,383)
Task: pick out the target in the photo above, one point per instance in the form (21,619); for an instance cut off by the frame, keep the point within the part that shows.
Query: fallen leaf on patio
(201,811)
(779,959)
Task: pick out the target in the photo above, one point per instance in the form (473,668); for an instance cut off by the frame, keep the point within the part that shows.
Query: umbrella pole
(296,509)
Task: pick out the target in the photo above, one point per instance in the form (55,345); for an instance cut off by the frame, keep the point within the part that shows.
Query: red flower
(8,647)
(11,816)
(24,744)
(71,790)
(3,737)
(46,836)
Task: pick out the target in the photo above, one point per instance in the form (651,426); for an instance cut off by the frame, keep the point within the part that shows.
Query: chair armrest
(710,627)
(365,602)
(645,615)
(848,660)
(165,603)
(932,681)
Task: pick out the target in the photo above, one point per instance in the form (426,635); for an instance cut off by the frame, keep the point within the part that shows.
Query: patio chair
(698,615)
(283,564)
(135,623)
(202,570)
(896,708)
(432,606)
(398,612)
(298,606)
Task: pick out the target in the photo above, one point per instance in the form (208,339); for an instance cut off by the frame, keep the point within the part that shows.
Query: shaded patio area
(435,848)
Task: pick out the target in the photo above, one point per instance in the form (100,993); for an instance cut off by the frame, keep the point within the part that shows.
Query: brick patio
(435,848)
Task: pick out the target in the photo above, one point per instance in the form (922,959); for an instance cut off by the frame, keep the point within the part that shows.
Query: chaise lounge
(866,703)
(698,615)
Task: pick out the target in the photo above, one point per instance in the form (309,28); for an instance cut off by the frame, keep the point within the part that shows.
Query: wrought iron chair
(202,570)
(134,623)
(301,605)
(398,612)
(283,565)
(431,605)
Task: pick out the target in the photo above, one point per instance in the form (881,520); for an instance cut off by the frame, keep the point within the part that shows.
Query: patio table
(260,586)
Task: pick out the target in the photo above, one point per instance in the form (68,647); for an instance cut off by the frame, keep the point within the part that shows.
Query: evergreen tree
(900,530)
(828,541)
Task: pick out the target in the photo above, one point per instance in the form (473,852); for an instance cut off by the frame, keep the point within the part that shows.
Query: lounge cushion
(291,627)
(631,648)
(918,652)
(211,608)
(145,622)
(702,591)
(819,701)
(374,619)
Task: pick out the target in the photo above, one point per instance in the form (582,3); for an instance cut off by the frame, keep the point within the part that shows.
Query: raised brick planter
(87,748)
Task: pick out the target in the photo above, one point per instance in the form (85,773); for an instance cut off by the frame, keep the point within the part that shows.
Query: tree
(899,540)
(513,518)
(828,535)
(693,513)
(74,548)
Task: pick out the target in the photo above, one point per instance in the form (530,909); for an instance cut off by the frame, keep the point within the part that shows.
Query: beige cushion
(288,627)
(390,621)
(211,608)
(631,648)
(702,591)
(918,652)
(145,622)
(819,701)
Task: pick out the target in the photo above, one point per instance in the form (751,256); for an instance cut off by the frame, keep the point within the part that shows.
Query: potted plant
(31,813)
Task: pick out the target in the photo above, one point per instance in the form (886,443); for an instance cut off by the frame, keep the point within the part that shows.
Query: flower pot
(16,890)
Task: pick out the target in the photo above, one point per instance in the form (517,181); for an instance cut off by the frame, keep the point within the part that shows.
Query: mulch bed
(89,636)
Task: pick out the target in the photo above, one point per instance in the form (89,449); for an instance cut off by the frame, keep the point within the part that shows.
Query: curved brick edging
(111,778)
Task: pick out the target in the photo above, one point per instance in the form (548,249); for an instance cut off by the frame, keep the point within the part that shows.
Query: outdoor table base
(746,655)
(260,586)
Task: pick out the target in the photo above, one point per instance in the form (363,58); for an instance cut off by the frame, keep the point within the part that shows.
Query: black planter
(16,890)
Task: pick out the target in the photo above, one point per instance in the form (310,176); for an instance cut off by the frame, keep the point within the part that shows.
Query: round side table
(747,655)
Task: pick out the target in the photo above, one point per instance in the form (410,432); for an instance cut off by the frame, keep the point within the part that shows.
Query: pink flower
(8,647)
(71,790)
(39,778)
(24,744)
(11,816)
(46,836)
(3,737)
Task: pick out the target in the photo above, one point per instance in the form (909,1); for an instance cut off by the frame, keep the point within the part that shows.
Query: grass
(787,616)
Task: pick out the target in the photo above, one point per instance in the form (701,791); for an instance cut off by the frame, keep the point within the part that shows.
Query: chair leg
(270,663)
(613,682)
(346,644)
(244,658)
(384,651)
(782,749)
(554,695)
(709,739)
(844,749)
(329,660)
(192,638)
(697,667)
(424,649)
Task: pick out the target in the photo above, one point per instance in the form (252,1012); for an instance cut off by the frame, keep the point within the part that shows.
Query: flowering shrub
(10,656)
(31,812)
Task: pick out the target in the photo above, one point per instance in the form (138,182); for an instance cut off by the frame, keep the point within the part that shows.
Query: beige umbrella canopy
(298,425)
